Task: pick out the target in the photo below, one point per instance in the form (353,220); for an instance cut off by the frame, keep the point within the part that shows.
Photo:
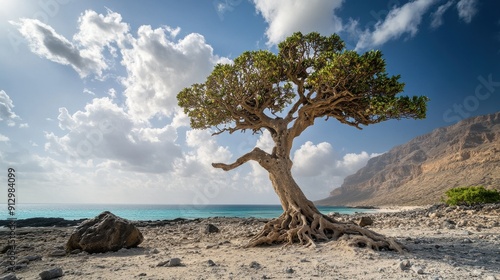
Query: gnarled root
(293,226)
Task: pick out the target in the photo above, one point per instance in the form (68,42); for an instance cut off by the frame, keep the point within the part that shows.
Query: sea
(143,212)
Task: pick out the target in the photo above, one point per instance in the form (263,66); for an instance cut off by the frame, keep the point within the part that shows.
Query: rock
(10,276)
(170,263)
(142,274)
(51,273)
(6,248)
(57,253)
(33,258)
(417,269)
(434,215)
(289,270)
(104,233)
(449,224)
(405,265)
(210,229)
(210,263)
(255,265)
(365,221)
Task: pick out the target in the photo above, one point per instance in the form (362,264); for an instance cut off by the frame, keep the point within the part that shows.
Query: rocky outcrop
(420,171)
(104,233)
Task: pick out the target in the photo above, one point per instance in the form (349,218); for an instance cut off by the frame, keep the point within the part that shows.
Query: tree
(311,77)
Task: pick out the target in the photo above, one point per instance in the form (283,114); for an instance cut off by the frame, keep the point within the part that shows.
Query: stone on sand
(104,233)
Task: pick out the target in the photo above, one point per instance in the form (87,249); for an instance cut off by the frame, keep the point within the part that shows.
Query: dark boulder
(365,221)
(104,233)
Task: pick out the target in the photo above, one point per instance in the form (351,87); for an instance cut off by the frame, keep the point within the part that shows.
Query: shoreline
(443,243)
(61,222)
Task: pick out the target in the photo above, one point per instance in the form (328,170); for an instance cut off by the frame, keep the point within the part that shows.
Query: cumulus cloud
(3,138)
(158,68)
(312,160)
(467,9)
(97,31)
(265,142)
(318,168)
(105,132)
(205,151)
(437,16)
(289,16)
(46,42)
(6,109)
(399,21)
(85,53)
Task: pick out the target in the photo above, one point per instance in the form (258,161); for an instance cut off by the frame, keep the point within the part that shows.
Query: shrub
(471,195)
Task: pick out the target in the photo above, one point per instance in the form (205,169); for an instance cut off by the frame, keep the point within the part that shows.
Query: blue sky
(88,112)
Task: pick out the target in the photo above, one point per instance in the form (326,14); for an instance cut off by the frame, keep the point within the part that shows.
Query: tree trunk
(302,222)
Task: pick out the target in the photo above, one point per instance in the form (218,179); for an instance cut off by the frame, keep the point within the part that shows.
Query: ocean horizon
(152,212)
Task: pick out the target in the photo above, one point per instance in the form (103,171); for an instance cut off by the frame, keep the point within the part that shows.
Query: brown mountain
(420,171)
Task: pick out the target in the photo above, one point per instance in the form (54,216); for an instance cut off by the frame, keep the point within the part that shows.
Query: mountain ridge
(420,171)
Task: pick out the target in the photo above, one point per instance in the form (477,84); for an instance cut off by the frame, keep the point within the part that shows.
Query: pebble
(405,265)
(289,270)
(255,265)
(170,263)
(51,273)
(57,253)
(210,228)
(417,269)
(210,263)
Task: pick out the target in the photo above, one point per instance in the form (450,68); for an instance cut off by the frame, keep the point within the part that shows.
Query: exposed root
(293,226)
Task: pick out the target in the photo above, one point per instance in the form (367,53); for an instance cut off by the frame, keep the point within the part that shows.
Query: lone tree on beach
(312,77)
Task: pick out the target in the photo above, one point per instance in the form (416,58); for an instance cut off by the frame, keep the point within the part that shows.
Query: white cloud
(399,21)
(4,138)
(467,9)
(159,68)
(46,42)
(312,160)
(24,125)
(112,93)
(318,169)
(106,133)
(289,16)
(97,31)
(265,142)
(437,16)
(6,109)
(205,151)
(85,54)
(88,91)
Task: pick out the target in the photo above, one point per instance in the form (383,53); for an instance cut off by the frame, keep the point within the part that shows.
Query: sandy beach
(442,242)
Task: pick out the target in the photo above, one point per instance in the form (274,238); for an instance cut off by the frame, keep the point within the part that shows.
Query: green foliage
(471,195)
(312,74)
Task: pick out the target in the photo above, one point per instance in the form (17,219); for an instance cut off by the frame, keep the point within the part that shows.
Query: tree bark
(302,222)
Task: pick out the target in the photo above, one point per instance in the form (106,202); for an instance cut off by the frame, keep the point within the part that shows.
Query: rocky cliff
(420,171)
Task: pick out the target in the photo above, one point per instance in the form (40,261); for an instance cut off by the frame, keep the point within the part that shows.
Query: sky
(88,109)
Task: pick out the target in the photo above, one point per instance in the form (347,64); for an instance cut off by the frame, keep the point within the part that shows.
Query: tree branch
(256,154)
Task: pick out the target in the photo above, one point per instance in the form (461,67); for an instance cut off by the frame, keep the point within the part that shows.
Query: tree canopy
(311,76)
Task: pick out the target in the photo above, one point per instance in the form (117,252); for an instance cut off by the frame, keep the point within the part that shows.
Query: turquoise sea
(137,212)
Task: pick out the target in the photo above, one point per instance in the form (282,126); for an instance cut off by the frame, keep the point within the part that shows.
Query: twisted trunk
(302,222)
